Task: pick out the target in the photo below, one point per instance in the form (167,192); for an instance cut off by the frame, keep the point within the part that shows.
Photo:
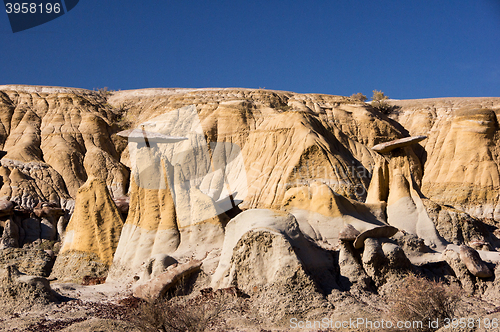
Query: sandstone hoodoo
(91,236)
(263,206)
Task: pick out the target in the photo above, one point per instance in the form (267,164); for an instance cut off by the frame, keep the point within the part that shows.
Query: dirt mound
(20,291)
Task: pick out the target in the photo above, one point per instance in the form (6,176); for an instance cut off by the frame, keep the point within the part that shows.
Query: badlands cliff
(293,199)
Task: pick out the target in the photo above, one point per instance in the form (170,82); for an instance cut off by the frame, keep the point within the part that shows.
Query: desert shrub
(358,96)
(206,311)
(418,299)
(283,107)
(379,101)
(104,92)
(121,117)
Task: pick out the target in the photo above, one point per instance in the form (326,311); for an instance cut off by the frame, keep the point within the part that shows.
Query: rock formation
(298,201)
(474,263)
(91,236)
(54,139)
(459,154)
(398,143)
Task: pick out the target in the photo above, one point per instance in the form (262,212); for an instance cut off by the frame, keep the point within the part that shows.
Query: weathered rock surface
(54,141)
(398,143)
(474,263)
(351,267)
(6,208)
(376,232)
(35,262)
(92,234)
(349,233)
(383,261)
(322,213)
(460,163)
(301,165)
(10,236)
(326,132)
(155,288)
(266,255)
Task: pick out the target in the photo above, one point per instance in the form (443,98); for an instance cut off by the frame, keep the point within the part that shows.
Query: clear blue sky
(408,49)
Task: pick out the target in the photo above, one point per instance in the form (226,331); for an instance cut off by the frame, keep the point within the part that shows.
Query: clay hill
(257,208)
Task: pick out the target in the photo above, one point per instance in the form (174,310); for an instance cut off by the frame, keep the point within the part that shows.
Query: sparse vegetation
(418,299)
(205,311)
(104,92)
(379,101)
(358,96)
(283,107)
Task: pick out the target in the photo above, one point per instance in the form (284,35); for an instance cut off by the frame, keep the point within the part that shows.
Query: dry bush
(379,101)
(358,96)
(418,299)
(206,311)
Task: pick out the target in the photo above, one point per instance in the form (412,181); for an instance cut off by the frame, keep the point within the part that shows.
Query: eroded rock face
(265,255)
(323,214)
(188,226)
(326,132)
(35,262)
(308,155)
(155,288)
(461,167)
(92,234)
(54,141)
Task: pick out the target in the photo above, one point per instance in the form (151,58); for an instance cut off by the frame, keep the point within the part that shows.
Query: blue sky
(408,49)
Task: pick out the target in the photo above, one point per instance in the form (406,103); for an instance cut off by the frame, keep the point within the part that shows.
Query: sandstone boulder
(349,233)
(376,232)
(384,262)
(265,255)
(6,208)
(398,143)
(474,263)
(155,288)
(10,236)
(351,267)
